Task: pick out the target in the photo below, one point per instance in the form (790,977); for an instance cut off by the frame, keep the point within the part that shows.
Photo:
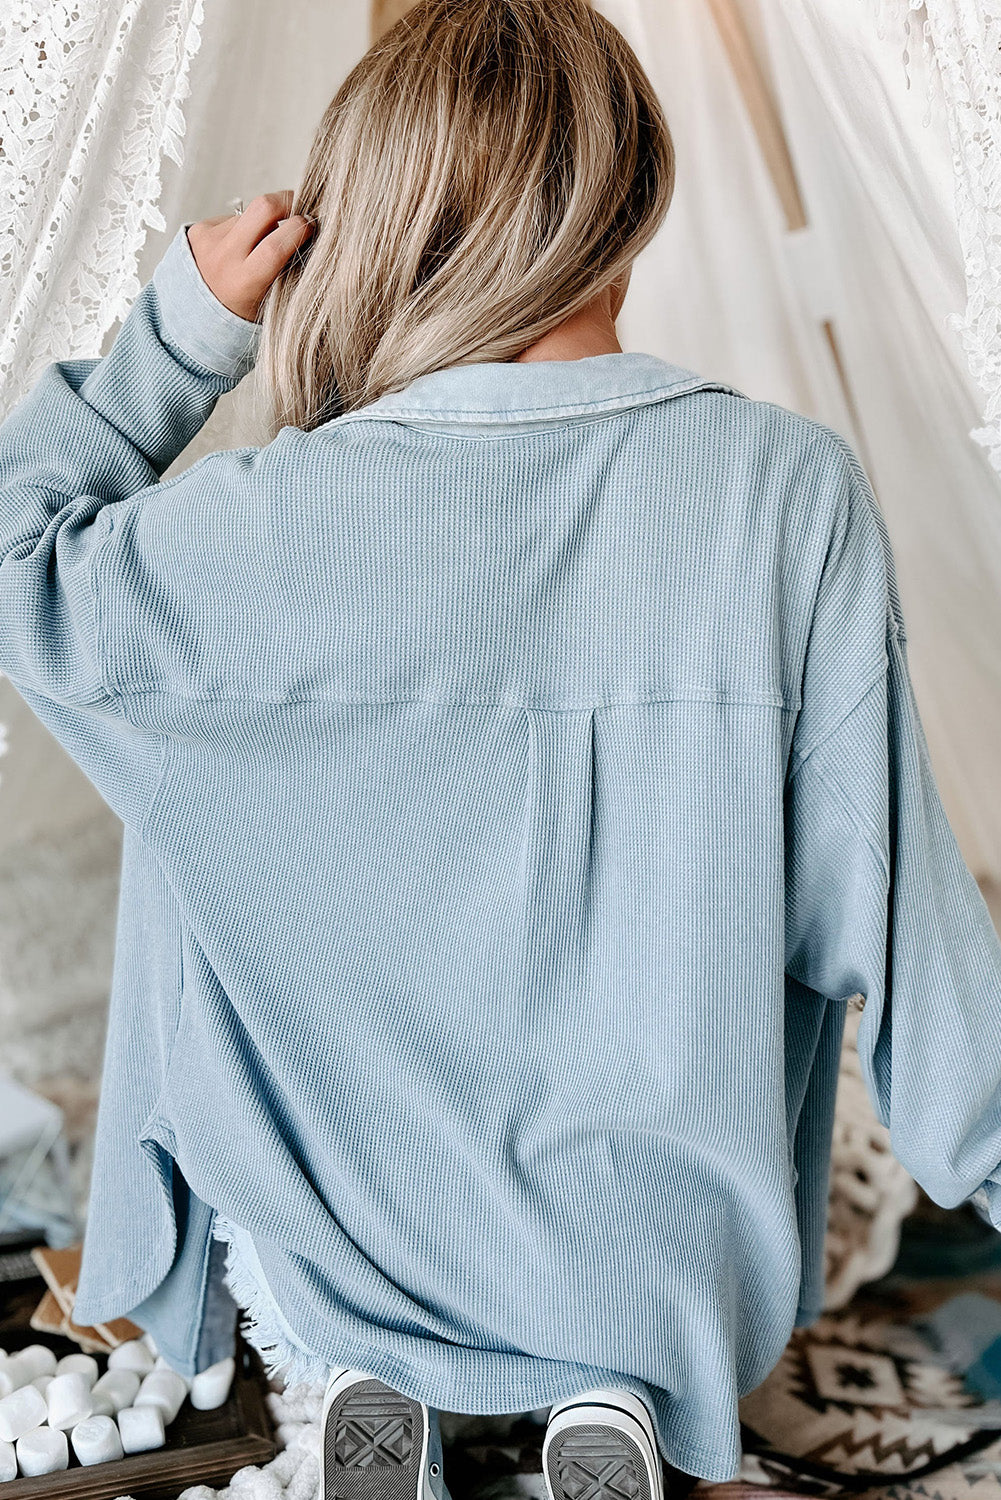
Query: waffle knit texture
(518,777)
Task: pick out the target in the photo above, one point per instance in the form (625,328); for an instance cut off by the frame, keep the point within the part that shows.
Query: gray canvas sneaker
(601,1445)
(376,1444)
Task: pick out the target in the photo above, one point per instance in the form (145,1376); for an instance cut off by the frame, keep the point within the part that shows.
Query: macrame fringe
(263,1330)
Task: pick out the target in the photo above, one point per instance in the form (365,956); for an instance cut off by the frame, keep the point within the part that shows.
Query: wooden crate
(202,1447)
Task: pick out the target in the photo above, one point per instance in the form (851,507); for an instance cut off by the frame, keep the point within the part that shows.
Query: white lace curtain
(90,103)
(961,41)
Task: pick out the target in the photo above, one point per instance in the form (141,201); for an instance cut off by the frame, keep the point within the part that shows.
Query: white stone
(96,1440)
(132,1355)
(165,1389)
(69,1399)
(117,1387)
(42,1382)
(150,1343)
(42,1451)
(210,1387)
(141,1427)
(8,1462)
(34,1360)
(22,1410)
(12,1375)
(101,1405)
(82,1364)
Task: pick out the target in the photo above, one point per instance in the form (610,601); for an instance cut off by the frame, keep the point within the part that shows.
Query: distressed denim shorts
(206,1333)
(282,1351)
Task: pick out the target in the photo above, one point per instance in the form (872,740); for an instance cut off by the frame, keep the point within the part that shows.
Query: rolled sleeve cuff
(194,320)
(987,1200)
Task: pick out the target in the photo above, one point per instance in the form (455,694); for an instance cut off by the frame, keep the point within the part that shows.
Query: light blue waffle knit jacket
(518,776)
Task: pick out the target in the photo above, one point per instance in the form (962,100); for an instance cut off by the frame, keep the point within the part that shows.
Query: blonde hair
(484,172)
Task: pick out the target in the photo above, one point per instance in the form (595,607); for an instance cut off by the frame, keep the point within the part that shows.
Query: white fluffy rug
(294,1472)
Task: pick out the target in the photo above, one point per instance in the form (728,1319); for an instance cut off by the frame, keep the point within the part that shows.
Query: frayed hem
(264,1328)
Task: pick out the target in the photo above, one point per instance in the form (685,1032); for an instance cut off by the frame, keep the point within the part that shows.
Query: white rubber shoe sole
(601,1445)
(376,1444)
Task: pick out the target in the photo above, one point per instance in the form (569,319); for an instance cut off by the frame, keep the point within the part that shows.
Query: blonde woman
(520,774)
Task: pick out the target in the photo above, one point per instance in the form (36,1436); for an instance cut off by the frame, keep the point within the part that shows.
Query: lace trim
(961,42)
(90,102)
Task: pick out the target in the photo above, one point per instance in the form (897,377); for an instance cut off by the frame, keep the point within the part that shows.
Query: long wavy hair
(484,172)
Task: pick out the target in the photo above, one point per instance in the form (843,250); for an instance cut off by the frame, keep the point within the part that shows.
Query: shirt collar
(535,390)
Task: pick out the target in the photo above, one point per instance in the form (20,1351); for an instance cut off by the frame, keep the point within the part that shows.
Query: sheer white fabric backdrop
(961,40)
(880,190)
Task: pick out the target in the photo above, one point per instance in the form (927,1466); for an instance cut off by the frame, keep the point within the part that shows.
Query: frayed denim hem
(284,1356)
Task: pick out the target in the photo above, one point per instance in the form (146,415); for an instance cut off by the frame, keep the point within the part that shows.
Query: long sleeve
(89,433)
(879,899)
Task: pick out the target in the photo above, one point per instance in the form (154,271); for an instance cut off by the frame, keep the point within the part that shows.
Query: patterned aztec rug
(859,1404)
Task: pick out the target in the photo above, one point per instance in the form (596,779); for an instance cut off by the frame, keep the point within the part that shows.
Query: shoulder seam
(863,486)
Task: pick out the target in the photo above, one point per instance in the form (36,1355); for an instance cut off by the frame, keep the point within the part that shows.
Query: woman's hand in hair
(239,255)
